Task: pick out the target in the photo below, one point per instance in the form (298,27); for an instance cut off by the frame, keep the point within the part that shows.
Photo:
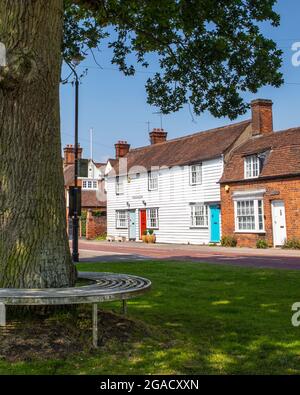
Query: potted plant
(145,236)
(151,236)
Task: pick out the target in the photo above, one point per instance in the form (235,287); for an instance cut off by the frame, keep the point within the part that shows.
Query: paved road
(91,251)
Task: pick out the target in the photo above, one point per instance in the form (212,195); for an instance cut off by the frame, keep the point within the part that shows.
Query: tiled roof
(99,165)
(90,199)
(112,161)
(185,150)
(69,175)
(283,158)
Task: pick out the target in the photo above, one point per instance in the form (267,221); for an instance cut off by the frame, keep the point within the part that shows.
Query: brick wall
(287,190)
(95,226)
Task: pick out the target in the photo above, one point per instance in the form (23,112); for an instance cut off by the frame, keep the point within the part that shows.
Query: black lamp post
(75,253)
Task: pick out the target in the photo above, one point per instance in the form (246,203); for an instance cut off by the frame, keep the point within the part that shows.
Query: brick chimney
(262,117)
(122,149)
(69,154)
(158,136)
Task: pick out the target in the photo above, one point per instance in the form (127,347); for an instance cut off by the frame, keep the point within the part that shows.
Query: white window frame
(152,180)
(121,219)
(196,174)
(258,214)
(89,184)
(199,215)
(119,186)
(152,215)
(251,166)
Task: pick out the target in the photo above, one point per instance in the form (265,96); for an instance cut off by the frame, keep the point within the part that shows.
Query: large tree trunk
(34,249)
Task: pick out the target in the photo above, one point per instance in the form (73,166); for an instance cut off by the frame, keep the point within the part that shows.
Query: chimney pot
(69,154)
(262,117)
(158,136)
(122,148)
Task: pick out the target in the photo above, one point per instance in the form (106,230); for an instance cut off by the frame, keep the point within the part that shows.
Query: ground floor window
(121,219)
(249,215)
(199,215)
(152,218)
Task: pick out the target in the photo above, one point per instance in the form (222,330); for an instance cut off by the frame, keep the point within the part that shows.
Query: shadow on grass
(203,319)
(217,319)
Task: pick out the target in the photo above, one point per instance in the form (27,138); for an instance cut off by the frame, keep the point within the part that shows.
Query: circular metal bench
(106,287)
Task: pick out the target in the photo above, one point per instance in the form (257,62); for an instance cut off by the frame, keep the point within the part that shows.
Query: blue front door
(215,223)
(132,225)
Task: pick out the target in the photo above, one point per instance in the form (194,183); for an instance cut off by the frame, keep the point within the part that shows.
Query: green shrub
(262,243)
(145,232)
(150,231)
(102,236)
(98,213)
(292,244)
(228,241)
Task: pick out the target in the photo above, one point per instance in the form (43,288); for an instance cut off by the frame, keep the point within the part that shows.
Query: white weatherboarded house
(171,186)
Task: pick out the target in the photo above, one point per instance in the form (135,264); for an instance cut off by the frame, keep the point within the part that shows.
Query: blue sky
(115,106)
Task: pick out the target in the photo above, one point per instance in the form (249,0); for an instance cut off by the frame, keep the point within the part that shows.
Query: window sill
(260,232)
(121,228)
(198,227)
(251,178)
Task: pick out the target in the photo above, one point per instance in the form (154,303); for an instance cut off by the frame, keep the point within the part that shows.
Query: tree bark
(34,250)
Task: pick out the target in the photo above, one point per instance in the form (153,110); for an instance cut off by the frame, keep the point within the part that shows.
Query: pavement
(102,251)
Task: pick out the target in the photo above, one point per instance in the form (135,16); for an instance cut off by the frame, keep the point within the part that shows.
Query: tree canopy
(209,51)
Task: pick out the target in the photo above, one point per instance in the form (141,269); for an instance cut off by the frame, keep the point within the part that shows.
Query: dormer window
(196,174)
(252,166)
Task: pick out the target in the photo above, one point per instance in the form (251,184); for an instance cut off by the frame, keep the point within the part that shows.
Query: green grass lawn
(202,319)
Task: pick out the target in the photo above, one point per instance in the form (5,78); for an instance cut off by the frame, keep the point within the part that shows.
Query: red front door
(143,222)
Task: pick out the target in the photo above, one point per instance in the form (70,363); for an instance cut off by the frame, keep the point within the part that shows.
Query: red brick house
(93,196)
(260,186)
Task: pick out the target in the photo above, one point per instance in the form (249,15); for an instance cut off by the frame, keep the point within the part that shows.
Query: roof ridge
(270,136)
(276,132)
(288,130)
(214,130)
